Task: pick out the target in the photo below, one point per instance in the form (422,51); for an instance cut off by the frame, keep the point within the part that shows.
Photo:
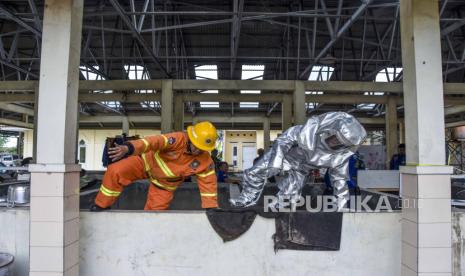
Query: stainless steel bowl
(6,264)
(18,194)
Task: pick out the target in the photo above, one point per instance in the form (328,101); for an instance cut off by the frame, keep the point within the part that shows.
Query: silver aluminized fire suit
(325,141)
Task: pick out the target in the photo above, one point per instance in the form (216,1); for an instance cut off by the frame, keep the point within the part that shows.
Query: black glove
(95,208)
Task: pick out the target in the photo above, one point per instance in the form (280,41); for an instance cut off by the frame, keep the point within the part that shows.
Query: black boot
(95,208)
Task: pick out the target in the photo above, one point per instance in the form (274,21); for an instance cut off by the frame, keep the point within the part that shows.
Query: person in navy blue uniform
(355,164)
(398,159)
(222,174)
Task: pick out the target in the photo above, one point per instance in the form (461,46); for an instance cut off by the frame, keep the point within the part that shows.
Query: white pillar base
(426,220)
(54,219)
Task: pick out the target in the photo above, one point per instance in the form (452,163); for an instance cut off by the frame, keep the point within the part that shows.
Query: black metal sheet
(308,231)
(230,224)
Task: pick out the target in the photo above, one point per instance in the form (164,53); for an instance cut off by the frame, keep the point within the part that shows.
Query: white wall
(273,135)
(14,238)
(28,143)
(458,242)
(183,243)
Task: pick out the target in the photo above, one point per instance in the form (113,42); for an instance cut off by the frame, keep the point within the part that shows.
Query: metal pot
(18,194)
(6,264)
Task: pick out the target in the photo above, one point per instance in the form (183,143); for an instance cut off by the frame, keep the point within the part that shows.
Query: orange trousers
(122,174)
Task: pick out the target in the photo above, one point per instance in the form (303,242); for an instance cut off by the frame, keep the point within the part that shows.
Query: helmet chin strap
(189,146)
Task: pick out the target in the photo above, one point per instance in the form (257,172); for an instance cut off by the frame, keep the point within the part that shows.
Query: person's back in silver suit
(325,141)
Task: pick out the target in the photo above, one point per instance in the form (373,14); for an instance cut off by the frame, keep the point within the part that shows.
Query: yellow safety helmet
(203,135)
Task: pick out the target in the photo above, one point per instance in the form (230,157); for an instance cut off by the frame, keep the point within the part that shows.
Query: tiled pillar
(426,232)
(426,221)
(54,215)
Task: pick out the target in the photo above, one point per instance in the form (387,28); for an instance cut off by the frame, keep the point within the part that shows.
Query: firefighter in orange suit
(165,160)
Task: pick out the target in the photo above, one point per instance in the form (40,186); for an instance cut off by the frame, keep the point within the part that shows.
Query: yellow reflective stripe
(109,192)
(206,174)
(208,194)
(169,188)
(163,166)
(166,141)
(146,143)
(146,165)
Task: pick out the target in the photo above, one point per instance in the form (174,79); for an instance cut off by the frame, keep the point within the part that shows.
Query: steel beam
(238,8)
(18,85)
(447,30)
(346,99)
(17,109)
(120,85)
(264,98)
(19,21)
(352,86)
(138,37)
(142,17)
(213,117)
(16,123)
(343,29)
(328,21)
(33,7)
(119,97)
(191,97)
(455,124)
(270,85)
(16,67)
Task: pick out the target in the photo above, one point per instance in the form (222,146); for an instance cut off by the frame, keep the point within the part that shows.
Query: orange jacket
(167,162)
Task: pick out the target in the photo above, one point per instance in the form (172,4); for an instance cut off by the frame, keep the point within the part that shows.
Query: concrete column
(266,133)
(36,116)
(286,111)
(54,211)
(401,132)
(20,148)
(178,113)
(300,116)
(426,224)
(125,125)
(167,106)
(391,129)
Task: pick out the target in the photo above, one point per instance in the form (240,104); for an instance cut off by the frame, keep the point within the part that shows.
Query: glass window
(137,72)
(384,75)
(248,104)
(207,72)
(82,152)
(91,74)
(318,73)
(251,72)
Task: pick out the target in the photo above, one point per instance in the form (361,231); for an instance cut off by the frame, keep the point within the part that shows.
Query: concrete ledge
(54,168)
(426,170)
(183,243)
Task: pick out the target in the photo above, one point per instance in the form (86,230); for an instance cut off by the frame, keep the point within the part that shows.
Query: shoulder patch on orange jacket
(175,140)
